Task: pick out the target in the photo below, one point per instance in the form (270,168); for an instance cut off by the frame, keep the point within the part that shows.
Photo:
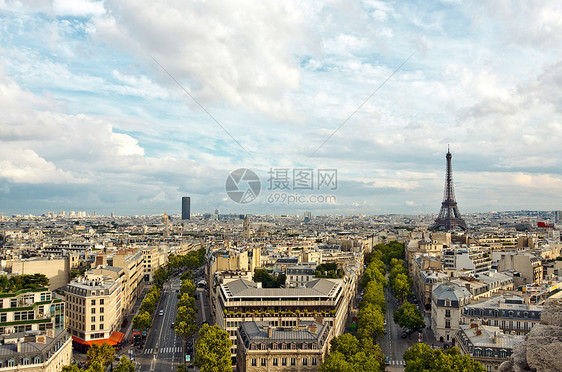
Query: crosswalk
(164,350)
(396,362)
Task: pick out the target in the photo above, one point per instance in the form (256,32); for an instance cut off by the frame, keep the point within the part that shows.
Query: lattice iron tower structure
(449,216)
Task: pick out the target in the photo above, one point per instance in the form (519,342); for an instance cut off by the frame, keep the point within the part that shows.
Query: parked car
(161,312)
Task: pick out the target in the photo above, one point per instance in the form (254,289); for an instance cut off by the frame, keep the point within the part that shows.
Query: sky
(125,106)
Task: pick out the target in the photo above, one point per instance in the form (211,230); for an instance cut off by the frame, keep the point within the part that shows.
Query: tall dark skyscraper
(186,208)
(449,216)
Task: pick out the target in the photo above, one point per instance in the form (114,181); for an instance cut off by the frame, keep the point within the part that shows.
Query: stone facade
(541,350)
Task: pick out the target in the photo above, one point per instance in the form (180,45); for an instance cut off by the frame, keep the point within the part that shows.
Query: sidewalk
(128,330)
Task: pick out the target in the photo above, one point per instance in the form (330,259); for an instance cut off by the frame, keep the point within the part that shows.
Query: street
(163,349)
(392,344)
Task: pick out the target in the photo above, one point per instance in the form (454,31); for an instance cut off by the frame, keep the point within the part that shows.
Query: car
(172,325)
(404,334)
(387,360)
(161,312)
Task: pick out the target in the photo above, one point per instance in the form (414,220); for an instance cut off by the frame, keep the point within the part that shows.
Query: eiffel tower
(449,216)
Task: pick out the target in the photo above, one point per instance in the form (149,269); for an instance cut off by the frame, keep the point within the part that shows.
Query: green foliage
(212,349)
(150,301)
(267,280)
(328,270)
(192,260)
(399,279)
(421,357)
(374,294)
(102,354)
(371,323)
(95,367)
(188,287)
(142,321)
(350,355)
(408,316)
(186,318)
(389,251)
(159,277)
(71,368)
(18,282)
(125,365)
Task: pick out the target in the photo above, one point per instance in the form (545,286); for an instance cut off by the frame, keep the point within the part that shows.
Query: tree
(103,354)
(159,277)
(212,350)
(70,368)
(125,365)
(348,354)
(142,321)
(421,357)
(370,323)
(401,286)
(186,324)
(95,367)
(408,316)
(188,287)
(374,295)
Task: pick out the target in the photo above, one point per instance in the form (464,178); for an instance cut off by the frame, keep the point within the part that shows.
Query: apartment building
(321,300)
(30,310)
(447,300)
(132,283)
(153,258)
(508,312)
(57,270)
(528,266)
(262,347)
(486,344)
(94,310)
(35,351)
(298,276)
(462,260)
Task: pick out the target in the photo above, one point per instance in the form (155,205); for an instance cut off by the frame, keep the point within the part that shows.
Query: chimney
(270,332)
(50,333)
(312,328)
(18,346)
(258,284)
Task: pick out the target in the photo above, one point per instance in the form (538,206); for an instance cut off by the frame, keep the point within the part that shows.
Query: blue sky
(91,122)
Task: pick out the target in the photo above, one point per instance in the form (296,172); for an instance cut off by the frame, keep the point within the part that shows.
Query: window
(275,361)
(93,310)
(93,302)
(101,318)
(101,301)
(101,309)
(304,361)
(314,361)
(1,304)
(3,317)
(283,361)
(13,303)
(293,361)
(448,313)
(25,361)
(11,363)
(93,328)
(101,326)
(447,302)
(263,362)
(93,319)
(447,323)
(254,362)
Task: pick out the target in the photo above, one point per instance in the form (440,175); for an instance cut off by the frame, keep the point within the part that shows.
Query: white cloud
(78,8)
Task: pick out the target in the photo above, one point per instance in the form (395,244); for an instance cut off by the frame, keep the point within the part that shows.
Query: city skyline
(93,119)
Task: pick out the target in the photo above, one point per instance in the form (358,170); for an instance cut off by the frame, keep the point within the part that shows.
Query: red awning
(114,339)
(117,337)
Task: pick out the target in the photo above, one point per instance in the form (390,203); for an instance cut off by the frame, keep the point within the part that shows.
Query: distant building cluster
(268,280)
